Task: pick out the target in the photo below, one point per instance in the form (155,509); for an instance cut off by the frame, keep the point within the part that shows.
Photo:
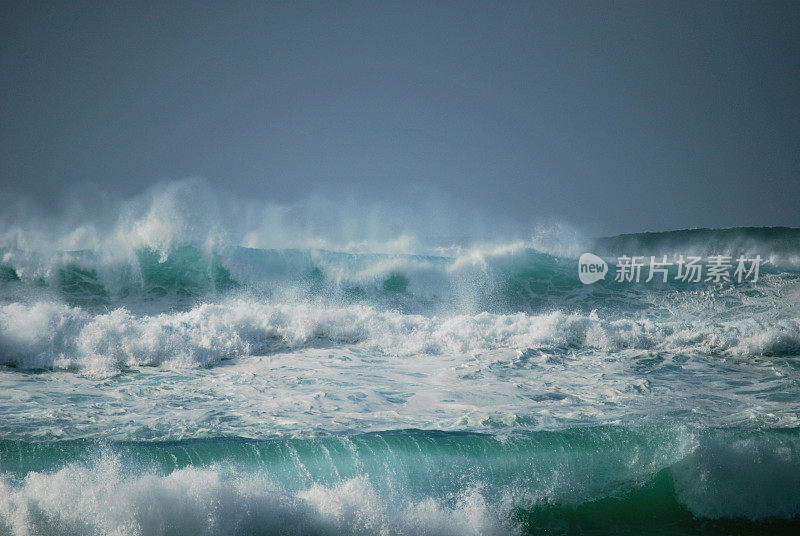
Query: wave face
(185,363)
(408,482)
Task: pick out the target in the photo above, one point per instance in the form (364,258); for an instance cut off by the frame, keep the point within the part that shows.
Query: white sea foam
(53,335)
(105,499)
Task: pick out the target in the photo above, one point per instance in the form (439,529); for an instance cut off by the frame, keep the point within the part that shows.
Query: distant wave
(498,279)
(180,244)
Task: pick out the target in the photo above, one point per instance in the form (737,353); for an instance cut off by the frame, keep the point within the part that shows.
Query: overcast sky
(617,117)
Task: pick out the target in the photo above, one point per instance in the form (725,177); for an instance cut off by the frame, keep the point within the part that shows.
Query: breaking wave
(47,335)
(407,482)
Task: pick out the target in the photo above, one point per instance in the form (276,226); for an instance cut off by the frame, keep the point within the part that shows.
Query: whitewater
(188,363)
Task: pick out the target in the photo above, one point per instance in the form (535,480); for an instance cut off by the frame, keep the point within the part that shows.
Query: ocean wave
(503,281)
(411,483)
(180,243)
(47,335)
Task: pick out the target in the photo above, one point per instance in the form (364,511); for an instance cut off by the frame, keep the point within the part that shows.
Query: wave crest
(48,335)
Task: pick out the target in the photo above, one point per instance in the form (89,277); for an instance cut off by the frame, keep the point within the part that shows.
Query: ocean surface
(469,388)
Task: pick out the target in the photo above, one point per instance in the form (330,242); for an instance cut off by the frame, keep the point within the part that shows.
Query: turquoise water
(470,389)
(598,480)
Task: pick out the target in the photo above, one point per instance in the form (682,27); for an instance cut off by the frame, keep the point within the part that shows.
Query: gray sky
(618,117)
